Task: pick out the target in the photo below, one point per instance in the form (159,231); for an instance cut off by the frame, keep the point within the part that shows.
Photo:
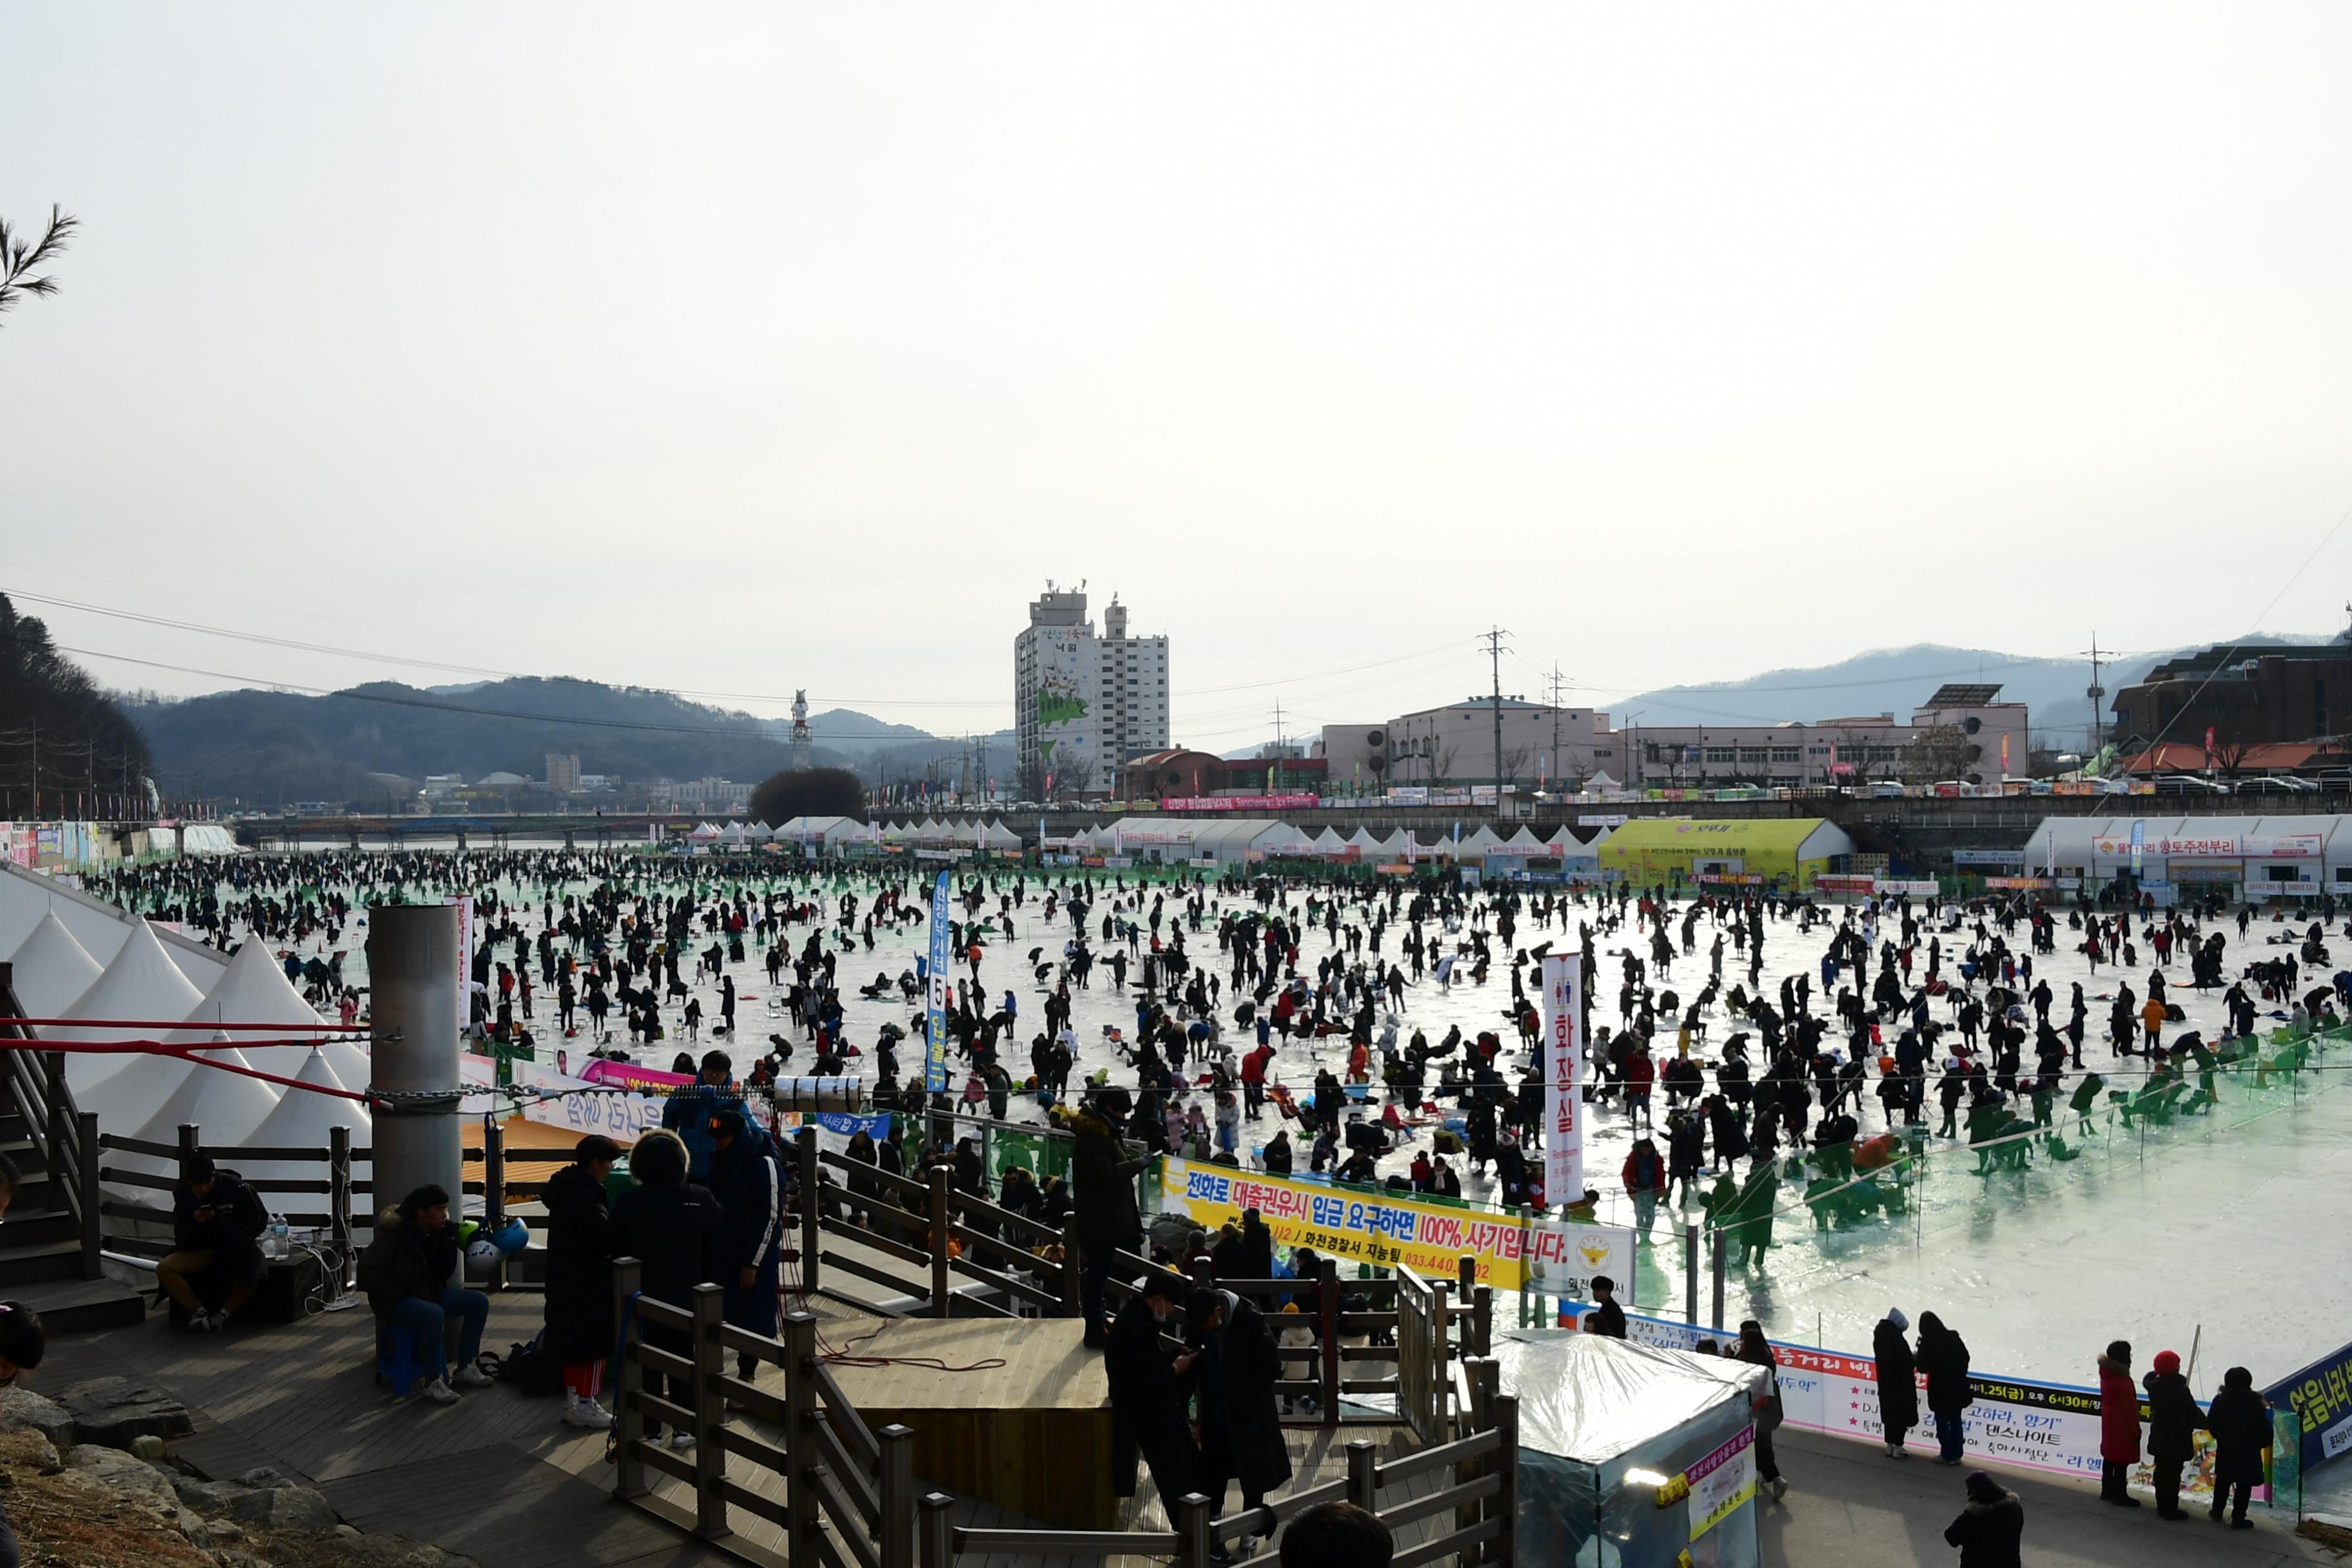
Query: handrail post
(895,1536)
(939,1237)
(1505,1500)
(937,1531)
(60,1131)
(191,1141)
(339,1197)
(1482,1322)
(800,1439)
(1193,1540)
(709,1413)
(1327,1289)
(1363,1475)
(812,1215)
(494,1192)
(628,1420)
(1690,1274)
(1071,1298)
(92,1219)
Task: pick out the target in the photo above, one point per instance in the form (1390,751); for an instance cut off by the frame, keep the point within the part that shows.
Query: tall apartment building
(1084,704)
(562,771)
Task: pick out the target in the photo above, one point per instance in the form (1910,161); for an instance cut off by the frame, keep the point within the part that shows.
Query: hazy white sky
(737,350)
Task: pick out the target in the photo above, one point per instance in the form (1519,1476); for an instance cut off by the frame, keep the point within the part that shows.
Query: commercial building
(1083,705)
(1780,852)
(2175,857)
(2244,696)
(1961,733)
(1456,744)
(1174,773)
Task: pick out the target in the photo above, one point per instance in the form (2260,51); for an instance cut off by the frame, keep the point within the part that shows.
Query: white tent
(1329,842)
(52,969)
(996,836)
(304,1120)
(256,991)
(27,896)
(224,1106)
(143,985)
(1601,781)
(1478,845)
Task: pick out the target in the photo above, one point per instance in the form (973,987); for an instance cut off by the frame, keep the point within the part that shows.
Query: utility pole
(1557,684)
(1494,663)
(2096,693)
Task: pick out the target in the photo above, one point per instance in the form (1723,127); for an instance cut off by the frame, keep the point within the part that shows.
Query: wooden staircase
(49,1237)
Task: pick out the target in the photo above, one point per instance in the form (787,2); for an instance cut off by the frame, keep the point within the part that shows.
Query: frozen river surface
(2227,1230)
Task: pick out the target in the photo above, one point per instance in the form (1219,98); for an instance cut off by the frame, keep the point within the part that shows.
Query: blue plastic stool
(397,1362)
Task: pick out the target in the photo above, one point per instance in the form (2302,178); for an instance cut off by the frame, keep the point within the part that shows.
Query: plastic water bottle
(278,1245)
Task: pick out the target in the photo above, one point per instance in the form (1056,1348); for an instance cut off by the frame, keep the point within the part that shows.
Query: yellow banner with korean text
(1352,1226)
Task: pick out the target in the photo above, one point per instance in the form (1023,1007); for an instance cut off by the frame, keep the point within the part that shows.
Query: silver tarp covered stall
(1629,1456)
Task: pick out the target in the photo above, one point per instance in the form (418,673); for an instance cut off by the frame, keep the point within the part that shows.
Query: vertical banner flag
(935,1059)
(2004,756)
(2208,748)
(1563,1081)
(464,961)
(2138,845)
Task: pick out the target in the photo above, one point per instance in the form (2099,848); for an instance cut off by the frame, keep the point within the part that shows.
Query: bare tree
(2227,755)
(19,256)
(1934,755)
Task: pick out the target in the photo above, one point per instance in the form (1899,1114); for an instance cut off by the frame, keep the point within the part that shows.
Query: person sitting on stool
(216,1226)
(406,1272)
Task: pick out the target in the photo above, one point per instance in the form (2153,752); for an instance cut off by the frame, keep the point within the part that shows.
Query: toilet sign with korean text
(1564,1082)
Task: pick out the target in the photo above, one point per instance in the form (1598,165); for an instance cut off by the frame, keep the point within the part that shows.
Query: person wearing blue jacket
(689,1112)
(747,1258)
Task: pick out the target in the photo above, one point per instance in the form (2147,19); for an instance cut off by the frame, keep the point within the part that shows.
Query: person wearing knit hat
(1898,1383)
(2173,1422)
(1990,1531)
(2118,1426)
(2241,1424)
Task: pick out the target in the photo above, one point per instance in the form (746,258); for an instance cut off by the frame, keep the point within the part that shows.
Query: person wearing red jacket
(1641,1073)
(2118,1426)
(1254,1079)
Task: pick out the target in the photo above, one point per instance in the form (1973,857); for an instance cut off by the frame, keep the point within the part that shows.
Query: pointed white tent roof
(1391,845)
(143,982)
(225,1107)
(255,990)
(1601,781)
(53,970)
(1328,840)
(1362,838)
(301,1121)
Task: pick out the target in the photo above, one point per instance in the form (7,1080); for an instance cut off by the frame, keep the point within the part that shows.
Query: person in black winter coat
(1147,1399)
(406,1272)
(1248,1254)
(2241,1424)
(2173,1423)
(1898,1387)
(1238,1362)
(1102,1188)
(578,1332)
(748,1179)
(669,1225)
(216,1226)
(1990,1531)
(1943,1356)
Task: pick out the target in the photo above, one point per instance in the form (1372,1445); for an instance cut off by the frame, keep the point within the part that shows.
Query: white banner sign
(1563,1258)
(1564,1081)
(586,1107)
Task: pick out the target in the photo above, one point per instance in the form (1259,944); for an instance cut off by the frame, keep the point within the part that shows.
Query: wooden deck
(496,1476)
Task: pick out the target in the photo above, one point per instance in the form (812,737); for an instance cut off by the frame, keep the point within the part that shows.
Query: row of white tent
(73,957)
(1241,839)
(841,832)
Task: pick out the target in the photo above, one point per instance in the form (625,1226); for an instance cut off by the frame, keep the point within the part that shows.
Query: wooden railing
(1481,1495)
(334,1183)
(843,1495)
(64,1137)
(911,1223)
(1454,1319)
